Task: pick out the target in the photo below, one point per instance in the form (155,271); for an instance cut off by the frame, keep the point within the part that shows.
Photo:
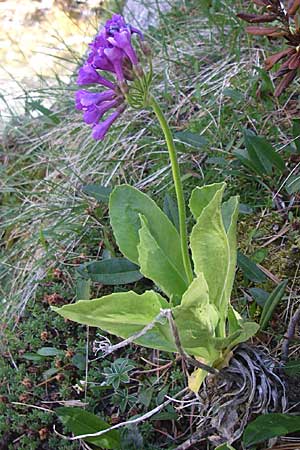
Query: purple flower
(88,75)
(100,130)
(94,113)
(99,60)
(85,99)
(111,51)
(122,40)
(115,56)
(116,23)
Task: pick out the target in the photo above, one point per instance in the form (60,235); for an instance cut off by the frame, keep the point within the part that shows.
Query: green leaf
(196,320)
(292,368)
(83,288)
(79,360)
(171,210)
(250,269)
(194,139)
(246,331)
(125,205)
(293,184)
(234,320)
(214,248)
(259,295)
(49,351)
(145,396)
(243,156)
(97,191)
(262,153)
(268,426)
(157,265)
(202,196)
(33,357)
(245,209)
(112,271)
(50,372)
(79,421)
(123,314)
(271,303)
(35,105)
(165,415)
(225,446)
(230,212)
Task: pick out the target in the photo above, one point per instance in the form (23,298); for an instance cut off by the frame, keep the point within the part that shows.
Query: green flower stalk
(178,187)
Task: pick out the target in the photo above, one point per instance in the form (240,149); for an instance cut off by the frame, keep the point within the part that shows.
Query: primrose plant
(189,310)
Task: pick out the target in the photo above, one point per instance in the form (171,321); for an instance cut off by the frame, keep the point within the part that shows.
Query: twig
(281,233)
(107,348)
(32,406)
(86,362)
(156,369)
(123,424)
(183,354)
(289,336)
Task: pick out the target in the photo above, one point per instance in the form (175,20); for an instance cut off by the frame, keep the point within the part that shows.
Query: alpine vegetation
(189,310)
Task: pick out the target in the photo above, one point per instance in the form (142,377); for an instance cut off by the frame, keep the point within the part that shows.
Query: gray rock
(143,14)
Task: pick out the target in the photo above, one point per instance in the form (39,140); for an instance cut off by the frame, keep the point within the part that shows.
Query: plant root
(249,386)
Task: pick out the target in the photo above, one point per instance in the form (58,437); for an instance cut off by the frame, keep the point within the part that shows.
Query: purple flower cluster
(111,51)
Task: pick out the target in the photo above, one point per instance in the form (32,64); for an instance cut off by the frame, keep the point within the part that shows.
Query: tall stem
(178,188)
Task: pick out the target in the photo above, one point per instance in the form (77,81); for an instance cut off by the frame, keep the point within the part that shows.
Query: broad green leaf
(214,250)
(157,265)
(112,271)
(271,303)
(230,212)
(124,314)
(254,158)
(250,269)
(79,422)
(50,351)
(196,320)
(171,210)
(268,426)
(99,192)
(243,156)
(262,153)
(202,196)
(194,139)
(293,184)
(33,357)
(125,205)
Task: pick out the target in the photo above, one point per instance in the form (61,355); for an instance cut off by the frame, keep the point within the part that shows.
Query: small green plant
(117,373)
